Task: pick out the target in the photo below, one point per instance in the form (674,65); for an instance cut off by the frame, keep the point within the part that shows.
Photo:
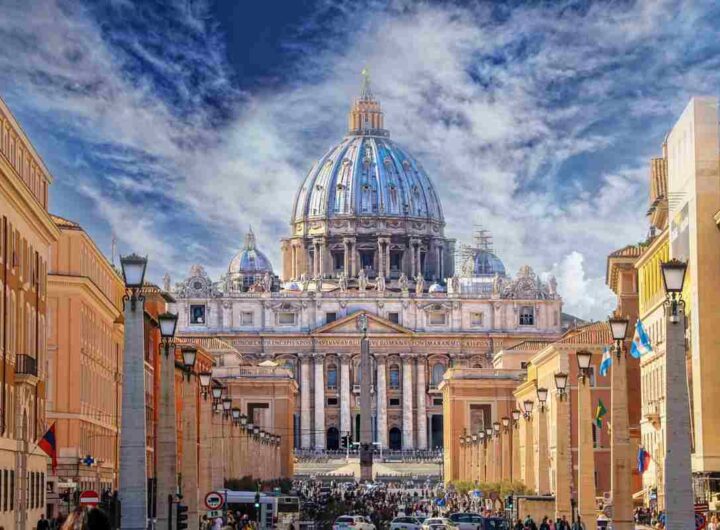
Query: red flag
(47,444)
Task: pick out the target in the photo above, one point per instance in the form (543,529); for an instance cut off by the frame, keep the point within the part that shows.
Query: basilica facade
(367,234)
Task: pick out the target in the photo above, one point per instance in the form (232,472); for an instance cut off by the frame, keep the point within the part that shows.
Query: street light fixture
(226,406)
(236,415)
(673,273)
(205,378)
(496,428)
(583,359)
(516,417)
(217,391)
(481,435)
(561,381)
(528,405)
(133,271)
(618,328)
(189,355)
(542,395)
(488,433)
(506,423)
(168,325)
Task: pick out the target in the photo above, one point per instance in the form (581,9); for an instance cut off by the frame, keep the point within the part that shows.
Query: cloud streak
(534,122)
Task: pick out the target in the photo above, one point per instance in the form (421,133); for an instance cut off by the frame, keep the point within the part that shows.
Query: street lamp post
(497,448)
(190,435)
(515,468)
(528,406)
(621,453)
(133,456)
(506,448)
(542,461)
(586,453)
(166,471)
(678,472)
(563,460)
(482,456)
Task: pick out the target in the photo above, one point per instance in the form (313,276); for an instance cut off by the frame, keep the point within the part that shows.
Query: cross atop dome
(366,116)
(250,240)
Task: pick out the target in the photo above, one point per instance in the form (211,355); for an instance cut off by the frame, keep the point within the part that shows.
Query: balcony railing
(25,365)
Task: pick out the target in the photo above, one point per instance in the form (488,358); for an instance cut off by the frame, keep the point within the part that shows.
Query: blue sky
(176,125)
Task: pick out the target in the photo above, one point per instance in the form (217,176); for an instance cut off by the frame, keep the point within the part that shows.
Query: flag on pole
(599,413)
(47,444)
(605,362)
(641,341)
(643,460)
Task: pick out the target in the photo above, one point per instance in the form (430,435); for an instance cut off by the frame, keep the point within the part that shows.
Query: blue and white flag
(605,362)
(641,342)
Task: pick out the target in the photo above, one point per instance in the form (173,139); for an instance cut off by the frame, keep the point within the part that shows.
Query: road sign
(699,521)
(70,485)
(89,498)
(214,500)
(212,514)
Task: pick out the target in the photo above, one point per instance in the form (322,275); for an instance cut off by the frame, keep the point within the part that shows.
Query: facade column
(461,461)
(489,462)
(473,460)
(346,257)
(529,467)
(320,401)
(310,260)
(586,457)
(380,259)
(323,257)
(677,469)
(407,396)
(413,271)
(381,393)
(345,392)
(421,405)
(387,258)
(563,458)
(189,454)
(305,427)
(542,462)
(497,464)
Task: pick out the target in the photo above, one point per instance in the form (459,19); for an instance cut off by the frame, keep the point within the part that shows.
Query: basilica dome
(485,263)
(250,261)
(367,175)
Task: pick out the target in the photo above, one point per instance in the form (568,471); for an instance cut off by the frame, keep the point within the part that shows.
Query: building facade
(84,361)
(368,235)
(26,234)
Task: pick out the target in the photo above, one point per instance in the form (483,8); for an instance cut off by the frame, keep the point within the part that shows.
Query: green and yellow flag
(599,413)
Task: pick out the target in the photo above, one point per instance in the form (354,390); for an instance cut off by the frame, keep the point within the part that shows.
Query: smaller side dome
(436,288)
(250,260)
(485,263)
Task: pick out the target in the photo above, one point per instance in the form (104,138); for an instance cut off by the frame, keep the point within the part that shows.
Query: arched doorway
(436,431)
(332,440)
(395,439)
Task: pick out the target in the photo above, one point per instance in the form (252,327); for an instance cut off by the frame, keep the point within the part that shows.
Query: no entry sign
(89,498)
(214,500)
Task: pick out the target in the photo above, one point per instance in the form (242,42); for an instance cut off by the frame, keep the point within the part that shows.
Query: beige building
(84,359)
(26,235)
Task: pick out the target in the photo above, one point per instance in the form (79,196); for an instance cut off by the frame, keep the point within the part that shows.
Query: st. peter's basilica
(367,234)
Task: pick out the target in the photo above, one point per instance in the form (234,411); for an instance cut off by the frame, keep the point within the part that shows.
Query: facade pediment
(348,325)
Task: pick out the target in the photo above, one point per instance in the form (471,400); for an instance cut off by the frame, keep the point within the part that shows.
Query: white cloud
(495,111)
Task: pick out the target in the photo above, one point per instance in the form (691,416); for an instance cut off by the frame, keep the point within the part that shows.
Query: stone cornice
(62,284)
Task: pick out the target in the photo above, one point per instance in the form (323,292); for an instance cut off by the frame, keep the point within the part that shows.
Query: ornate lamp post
(621,457)
(133,457)
(542,461)
(678,472)
(586,455)
(561,381)
(190,431)
(166,471)
(528,406)
(205,378)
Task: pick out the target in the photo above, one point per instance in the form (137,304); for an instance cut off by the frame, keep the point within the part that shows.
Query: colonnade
(313,425)
(487,456)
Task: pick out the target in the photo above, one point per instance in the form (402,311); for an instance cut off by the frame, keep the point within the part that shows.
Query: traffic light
(344,442)
(181,516)
(509,502)
(257,500)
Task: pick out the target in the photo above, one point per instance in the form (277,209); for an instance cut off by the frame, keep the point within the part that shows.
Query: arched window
(332,377)
(438,371)
(394,376)
(357,373)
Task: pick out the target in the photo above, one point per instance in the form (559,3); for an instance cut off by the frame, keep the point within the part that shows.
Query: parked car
(406,523)
(438,523)
(354,522)
(468,521)
(495,523)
